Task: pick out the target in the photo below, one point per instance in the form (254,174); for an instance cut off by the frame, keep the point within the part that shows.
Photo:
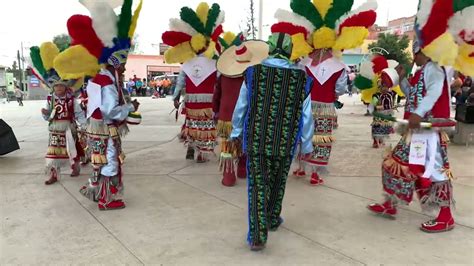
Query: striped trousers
(267,177)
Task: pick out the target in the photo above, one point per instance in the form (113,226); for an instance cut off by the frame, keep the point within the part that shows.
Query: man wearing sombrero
(268,119)
(419,163)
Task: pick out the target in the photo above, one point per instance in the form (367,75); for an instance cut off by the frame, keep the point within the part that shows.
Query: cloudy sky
(36,21)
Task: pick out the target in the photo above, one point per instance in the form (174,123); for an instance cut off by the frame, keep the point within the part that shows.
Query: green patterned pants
(266,188)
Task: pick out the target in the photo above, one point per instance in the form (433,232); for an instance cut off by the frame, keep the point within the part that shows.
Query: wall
(138,64)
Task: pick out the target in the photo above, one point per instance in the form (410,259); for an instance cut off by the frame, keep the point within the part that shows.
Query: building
(149,66)
(402,26)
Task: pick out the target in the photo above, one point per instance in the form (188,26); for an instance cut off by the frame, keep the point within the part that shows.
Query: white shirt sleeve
(434,78)
(240,112)
(180,83)
(341,84)
(110,105)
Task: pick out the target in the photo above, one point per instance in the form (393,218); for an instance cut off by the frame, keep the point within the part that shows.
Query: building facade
(149,66)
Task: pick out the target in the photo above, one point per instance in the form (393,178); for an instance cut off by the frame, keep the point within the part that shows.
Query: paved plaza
(178,213)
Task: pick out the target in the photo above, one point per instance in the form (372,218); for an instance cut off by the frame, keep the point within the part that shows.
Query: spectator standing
(19,95)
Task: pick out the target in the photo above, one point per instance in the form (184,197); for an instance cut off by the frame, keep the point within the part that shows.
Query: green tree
(396,46)
(62,41)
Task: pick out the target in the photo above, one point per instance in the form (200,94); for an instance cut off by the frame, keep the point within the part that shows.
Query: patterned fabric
(276,97)
(57,149)
(200,132)
(382,128)
(398,181)
(266,188)
(324,122)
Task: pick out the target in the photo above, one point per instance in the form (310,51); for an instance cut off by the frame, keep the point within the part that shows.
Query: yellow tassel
(323,6)
(199,113)
(136,14)
(113,131)
(224,128)
(48,52)
(324,38)
(198,42)
(202,11)
(98,159)
(323,139)
(300,47)
(199,134)
(443,50)
(351,37)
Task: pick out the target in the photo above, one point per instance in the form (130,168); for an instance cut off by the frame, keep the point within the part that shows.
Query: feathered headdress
(102,38)
(229,39)
(445,32)
(194,33)
(331,23)
(372,72)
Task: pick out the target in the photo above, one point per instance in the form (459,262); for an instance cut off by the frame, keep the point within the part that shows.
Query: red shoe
(53,177)
(299,173)
(201,159)
(242,169)
(386,210)
(76,169)
(316,180)
(444,222)
(375,145)
(114,205)
(229,179)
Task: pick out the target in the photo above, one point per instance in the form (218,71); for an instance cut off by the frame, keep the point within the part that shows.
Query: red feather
(81,32)
(173,38)
(289,28)
(217,32)
(437,23)
(363,19)
(380,63)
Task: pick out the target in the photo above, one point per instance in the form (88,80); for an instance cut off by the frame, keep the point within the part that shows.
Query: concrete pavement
(178,213)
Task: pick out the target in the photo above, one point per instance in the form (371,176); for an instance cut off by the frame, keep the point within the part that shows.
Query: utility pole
(260,19)
(20,68)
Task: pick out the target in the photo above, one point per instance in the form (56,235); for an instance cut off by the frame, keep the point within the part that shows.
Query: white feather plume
(220,20)
(369,5)
(366,69)
(424,12)
(287,16)
(104,22)
(181,26)
(392,63)
(112,3)
(463,20)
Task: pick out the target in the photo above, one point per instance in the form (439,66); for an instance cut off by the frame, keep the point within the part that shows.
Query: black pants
(19,100)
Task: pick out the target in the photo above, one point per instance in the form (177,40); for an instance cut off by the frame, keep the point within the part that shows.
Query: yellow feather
(136,14)
(464,62)
(48,52)
(300,47)
(229,37)
(351,37)
(75,63)
(211,50)
(198,42)
(180,53)
(367,95)
(202,11)
(443,50)
(324,38)
(398,91)
(323,6)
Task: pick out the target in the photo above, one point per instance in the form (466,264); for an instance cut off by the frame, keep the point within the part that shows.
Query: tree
(251,30)
(15,70)
(62,41)
(396,46)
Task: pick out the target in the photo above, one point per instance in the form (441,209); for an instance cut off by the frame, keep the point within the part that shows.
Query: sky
(35,21)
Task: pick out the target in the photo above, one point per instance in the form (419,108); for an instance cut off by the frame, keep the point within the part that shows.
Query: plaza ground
(178,213)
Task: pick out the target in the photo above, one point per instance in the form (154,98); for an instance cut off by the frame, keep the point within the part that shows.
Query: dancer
(428,173)
(61,111)
(332,28)
(100,50)
(225,99)
(376,80)
(268,118)
(193,39)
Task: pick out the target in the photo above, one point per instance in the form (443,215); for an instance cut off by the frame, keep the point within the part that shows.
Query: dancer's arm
(240,113)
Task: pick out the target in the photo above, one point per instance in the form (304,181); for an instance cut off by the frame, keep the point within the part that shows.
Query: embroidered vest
(325,93)
(200,97)
(276,97)
(63,108)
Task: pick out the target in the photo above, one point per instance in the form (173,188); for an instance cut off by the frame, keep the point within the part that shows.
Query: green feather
(362,83)
(223,43)
(37,61)
(306,9)
(189,16)
(339,8)
(125,19)
(212,18)
(459,5)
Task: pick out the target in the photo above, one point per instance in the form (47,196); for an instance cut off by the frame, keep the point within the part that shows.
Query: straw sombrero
(236,59)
